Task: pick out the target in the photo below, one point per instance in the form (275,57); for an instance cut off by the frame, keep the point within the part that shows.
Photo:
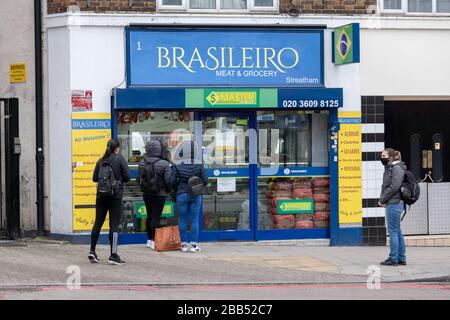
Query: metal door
(9,170)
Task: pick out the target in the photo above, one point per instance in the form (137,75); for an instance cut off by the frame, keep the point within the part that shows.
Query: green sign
(141,211)
(346,44)
(295,206)
(231,98)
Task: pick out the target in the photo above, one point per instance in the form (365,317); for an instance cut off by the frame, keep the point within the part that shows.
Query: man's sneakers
(115,259)
(195,248)
(402,263)
(151,244)
(93,257)
(389,262)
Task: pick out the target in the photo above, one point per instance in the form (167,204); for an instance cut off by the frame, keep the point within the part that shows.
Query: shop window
(293,139)
(134,130)
(218,5)
(416,7)
(293,203)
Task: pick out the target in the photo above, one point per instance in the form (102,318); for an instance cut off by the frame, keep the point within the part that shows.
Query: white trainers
(184,248)
(195,248)
(151,244)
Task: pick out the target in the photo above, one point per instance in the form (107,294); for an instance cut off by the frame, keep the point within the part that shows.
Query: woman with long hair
(111,172)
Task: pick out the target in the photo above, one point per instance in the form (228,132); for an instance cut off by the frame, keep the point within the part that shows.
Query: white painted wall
(17,46)
(60,138)
(405,62)
(97,62)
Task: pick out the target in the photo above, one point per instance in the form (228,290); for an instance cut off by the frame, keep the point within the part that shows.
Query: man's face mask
(384,161)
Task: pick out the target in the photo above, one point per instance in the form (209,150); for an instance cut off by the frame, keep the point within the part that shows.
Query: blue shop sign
(225,57)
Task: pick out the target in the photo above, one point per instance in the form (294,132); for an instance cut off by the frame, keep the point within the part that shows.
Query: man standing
(390,198)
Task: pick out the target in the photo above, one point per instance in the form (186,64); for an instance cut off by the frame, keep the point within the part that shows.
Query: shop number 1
(310,103)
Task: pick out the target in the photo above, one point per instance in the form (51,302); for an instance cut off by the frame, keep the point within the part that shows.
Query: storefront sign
(181,57)
(141,210)
(231,97)
(81,100)
(295,206)
(90,134)
(17,73)
(350,171)
(346,44)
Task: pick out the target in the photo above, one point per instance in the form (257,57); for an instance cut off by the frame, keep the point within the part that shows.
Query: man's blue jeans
(393,215)
(189,207)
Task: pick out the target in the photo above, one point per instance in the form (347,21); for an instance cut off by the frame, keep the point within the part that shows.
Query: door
(228,148)
(9,170)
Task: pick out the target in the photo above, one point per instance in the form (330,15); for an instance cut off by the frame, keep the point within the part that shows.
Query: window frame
(404,10)
(251,8)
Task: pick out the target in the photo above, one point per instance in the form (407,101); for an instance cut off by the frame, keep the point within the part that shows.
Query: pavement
(39,263)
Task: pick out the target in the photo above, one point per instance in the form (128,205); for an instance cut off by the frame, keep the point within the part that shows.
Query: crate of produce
(304,217)
(321,216)
(303,225)
(321,197)
(321,224)
(321,206)
(302,193)
(283,221)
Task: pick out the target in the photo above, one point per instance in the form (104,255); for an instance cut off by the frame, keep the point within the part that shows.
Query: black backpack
(107,183)
(410,190)
(195,185)
(149,182)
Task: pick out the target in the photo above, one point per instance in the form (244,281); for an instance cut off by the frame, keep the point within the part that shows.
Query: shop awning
(222,98)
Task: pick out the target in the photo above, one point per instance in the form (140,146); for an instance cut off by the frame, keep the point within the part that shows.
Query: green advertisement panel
(141,211)
(297,206)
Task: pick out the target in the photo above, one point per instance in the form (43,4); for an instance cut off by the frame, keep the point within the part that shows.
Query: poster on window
(90,134)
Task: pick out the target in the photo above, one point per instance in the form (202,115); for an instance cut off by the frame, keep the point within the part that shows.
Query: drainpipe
(39,117)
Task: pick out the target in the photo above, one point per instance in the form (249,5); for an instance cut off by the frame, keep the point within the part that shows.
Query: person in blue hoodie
(187,163)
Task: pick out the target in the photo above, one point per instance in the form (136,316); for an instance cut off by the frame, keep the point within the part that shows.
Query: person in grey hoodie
(155,153)
(390,198)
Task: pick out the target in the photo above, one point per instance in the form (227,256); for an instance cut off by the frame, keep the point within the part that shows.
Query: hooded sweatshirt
(185,167)
(154,152)
(393,176)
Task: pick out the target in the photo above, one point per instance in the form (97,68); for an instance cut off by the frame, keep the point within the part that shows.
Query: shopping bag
(167,238)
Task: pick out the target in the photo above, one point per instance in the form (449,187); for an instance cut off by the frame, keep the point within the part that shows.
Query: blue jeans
(393,215)
(189,207)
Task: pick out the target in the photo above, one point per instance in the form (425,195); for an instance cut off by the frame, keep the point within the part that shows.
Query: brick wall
(60,6)
(328,6)
(286,6)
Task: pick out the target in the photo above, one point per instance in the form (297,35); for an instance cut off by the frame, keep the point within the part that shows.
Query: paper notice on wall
(226,184)
(81,100)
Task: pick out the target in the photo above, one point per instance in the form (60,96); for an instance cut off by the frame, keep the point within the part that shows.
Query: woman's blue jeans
(189,208)
(397,242)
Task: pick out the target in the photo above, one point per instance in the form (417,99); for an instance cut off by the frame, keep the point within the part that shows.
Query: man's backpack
(195,186)
(149,182)
(107,183)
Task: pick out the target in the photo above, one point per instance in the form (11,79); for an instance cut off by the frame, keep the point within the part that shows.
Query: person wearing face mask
(390,198)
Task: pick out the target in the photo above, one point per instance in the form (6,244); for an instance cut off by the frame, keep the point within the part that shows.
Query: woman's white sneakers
(151,244)
(194,248)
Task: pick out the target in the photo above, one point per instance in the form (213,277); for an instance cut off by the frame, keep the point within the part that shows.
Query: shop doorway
(9,169)
(228,142)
